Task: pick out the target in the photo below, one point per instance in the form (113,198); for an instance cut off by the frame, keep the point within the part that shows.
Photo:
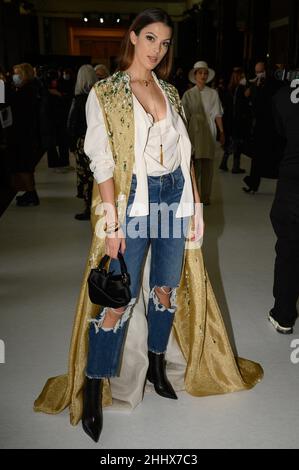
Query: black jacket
(24,136)
(76,124)
(286,114)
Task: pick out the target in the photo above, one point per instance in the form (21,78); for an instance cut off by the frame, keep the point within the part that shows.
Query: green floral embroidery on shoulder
(173,96)
(116,100)
(115,93)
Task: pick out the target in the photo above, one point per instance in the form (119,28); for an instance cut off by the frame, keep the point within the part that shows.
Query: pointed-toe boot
(92,417)
(156,374)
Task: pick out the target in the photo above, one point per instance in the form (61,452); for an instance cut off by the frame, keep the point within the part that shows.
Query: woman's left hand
(197,223)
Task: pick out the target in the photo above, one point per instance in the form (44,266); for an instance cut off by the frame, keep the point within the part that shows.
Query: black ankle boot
(156,374)
(92,417)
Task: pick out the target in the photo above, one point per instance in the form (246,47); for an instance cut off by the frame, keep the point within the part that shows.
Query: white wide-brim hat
(201,65)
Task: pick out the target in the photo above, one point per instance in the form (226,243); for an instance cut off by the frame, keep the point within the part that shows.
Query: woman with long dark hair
(146,197)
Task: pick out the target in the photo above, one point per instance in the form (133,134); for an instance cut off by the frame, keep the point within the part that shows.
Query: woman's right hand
(114,243)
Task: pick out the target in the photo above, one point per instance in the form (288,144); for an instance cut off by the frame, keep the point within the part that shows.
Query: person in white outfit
(204,113)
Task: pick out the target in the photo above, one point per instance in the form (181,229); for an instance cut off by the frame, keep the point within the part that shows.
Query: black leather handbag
(108,289)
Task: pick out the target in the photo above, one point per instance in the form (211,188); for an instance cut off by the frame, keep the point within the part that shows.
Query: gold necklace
(141,80)
(161,142)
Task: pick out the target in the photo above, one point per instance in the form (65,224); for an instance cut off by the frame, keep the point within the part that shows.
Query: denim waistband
(163,178)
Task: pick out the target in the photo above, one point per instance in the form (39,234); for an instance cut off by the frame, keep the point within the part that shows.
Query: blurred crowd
(250,115)
(44,111)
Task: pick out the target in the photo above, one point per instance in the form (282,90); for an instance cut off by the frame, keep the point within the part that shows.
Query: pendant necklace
(143,81)
(146,82)
(161,142)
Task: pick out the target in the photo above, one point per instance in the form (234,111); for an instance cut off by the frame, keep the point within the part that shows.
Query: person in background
(267,144)
(203,112)
(66,86)
(77,126)
(24,141)
(227,105)
(260,75)
(285,215)
(55,113)
(180,81)
(2,74)
(101,71)
(240,119)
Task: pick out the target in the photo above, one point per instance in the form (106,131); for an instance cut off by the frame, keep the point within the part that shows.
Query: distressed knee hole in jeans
(159,306)
(124,317)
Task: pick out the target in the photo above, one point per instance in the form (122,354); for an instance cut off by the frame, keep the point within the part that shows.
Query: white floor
(43,252)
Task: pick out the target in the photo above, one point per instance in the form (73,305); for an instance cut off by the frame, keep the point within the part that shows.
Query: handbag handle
(121,260)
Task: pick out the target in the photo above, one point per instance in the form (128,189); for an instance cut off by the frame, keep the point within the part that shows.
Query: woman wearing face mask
(24,137)
(140,157)
(240,121)
(77,126)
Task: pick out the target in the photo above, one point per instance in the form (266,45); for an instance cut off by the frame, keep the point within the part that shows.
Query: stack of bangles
(111,228)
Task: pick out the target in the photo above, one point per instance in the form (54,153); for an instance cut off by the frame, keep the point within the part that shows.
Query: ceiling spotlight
(117,20)
(101,20)
(85,19)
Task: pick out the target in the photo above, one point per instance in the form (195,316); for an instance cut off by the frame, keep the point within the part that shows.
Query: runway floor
(43,253)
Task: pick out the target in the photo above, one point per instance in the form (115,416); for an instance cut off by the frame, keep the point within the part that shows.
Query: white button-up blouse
(97,147)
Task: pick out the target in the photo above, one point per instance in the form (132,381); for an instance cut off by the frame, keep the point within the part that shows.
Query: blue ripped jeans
(166,235)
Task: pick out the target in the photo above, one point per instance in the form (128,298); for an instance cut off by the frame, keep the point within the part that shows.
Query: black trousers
(253,180)
(285,220)
(60,140)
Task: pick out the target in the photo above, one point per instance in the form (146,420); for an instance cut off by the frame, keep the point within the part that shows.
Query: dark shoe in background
(284,330)
(30,198)
(223,165)
(83,216)
(250,189)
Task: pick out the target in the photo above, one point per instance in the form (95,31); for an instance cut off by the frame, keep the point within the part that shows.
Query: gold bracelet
(108,232)
(110,226)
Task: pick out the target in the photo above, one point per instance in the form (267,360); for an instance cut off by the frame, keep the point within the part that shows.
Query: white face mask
(261,75)
(243,81)
(17,79)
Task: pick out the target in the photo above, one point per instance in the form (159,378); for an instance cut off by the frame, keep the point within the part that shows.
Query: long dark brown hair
(146,17)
